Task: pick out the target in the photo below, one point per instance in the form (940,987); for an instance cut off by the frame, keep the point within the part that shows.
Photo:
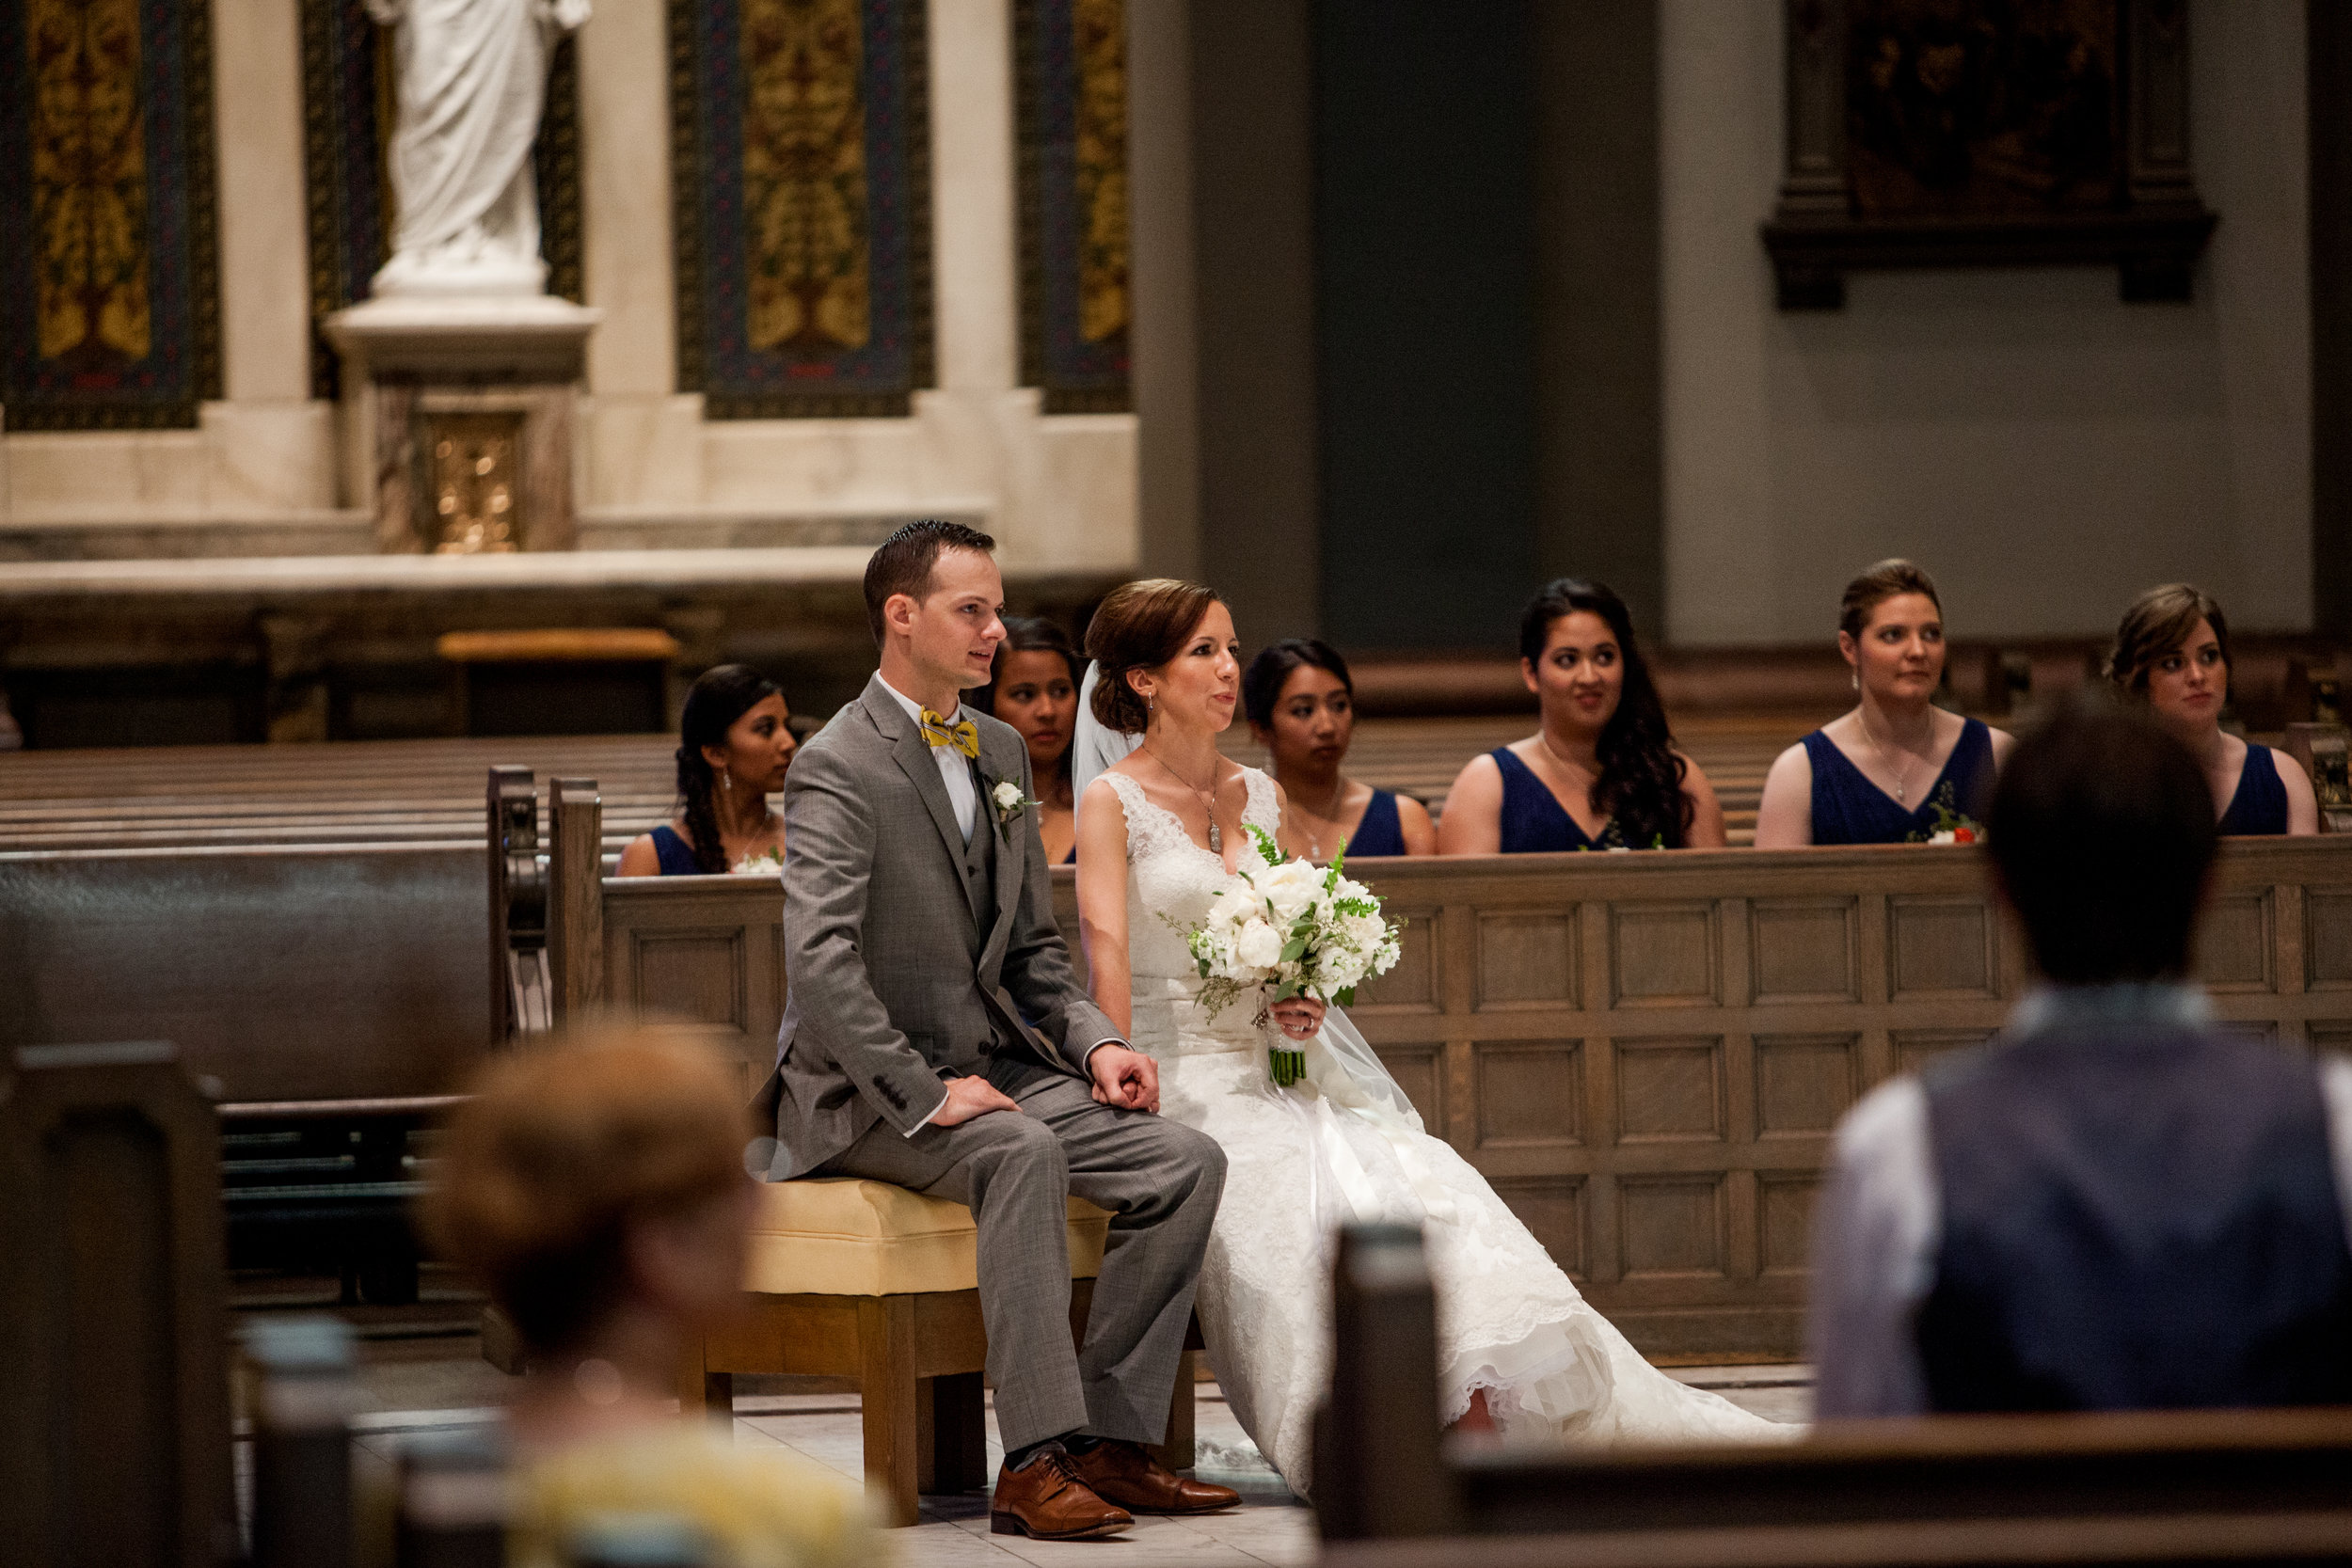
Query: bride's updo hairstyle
(2159,623)
(1640,785)
(1139,626)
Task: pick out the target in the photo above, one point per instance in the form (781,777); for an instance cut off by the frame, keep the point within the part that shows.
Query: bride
(1157,834)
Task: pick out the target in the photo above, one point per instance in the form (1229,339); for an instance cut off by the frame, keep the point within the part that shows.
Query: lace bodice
(1170,878)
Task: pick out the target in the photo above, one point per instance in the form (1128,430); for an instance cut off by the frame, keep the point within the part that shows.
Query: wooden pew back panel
(1645,1054)
(286,973)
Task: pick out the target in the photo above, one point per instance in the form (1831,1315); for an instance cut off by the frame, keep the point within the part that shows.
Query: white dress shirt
(1882,1216)
(955,768)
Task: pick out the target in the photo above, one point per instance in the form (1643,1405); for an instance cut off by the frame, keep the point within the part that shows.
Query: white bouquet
(1285,927)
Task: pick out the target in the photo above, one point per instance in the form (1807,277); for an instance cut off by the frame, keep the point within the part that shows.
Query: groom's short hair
(904,561)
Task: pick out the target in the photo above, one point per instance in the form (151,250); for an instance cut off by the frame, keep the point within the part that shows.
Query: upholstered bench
(862,1280)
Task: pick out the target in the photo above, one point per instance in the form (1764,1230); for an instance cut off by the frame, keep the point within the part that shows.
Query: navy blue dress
(676,855)
(1380,831)
(2260,805)
(1534,820)
(1849,809)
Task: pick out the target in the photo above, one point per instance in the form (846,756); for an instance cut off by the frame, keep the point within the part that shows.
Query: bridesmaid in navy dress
(734,746)
(1898,770)
(1602,773)
(1301,704)
(2172,652)
(1034,688)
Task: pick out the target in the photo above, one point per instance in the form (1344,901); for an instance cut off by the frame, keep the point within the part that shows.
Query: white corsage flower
(1005,796)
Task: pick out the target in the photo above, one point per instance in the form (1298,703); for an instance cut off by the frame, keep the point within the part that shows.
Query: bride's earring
(727,781)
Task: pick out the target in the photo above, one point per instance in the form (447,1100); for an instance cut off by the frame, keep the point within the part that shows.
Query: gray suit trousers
(1161,1182)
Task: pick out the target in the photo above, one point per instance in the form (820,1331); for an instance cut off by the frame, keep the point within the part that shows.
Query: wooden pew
(114,1386)
(1646,1054)
(2206,1486)
(428,791)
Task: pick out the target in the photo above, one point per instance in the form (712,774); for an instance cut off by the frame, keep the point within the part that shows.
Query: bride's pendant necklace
(1208,800)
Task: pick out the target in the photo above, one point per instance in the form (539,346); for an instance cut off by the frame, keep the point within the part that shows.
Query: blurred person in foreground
(2113,1204)
(596,1190)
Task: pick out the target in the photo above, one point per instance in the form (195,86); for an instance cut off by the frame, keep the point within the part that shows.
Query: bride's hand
(1300,1016)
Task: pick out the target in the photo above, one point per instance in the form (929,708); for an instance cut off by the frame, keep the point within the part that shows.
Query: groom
(935,1038)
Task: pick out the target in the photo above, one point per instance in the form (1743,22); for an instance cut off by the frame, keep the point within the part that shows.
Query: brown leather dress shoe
(1046,1500)
(1123,1473)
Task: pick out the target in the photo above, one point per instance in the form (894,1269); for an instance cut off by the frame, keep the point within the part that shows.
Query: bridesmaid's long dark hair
(1641,778)
(720,695)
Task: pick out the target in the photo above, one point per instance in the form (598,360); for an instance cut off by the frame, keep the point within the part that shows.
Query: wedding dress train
(1348,1144)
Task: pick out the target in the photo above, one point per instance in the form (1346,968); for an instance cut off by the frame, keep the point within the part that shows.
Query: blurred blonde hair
(561,1147)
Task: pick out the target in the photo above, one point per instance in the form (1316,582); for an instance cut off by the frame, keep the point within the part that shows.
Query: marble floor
(423,1372)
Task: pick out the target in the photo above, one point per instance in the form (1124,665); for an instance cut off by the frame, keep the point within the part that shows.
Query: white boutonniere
(1010,802)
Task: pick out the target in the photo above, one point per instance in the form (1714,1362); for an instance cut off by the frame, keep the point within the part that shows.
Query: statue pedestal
(460,419)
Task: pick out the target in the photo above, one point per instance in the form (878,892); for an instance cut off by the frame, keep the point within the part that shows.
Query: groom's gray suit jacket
(910,955)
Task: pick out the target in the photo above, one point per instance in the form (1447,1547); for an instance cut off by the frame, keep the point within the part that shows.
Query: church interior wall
(2046,450)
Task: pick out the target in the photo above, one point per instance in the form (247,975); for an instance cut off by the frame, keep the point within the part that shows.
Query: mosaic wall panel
(347,119)
(108,259)
(1075,306)
(801,143)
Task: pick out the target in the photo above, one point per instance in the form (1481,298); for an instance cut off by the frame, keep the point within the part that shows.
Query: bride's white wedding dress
(1348,1143)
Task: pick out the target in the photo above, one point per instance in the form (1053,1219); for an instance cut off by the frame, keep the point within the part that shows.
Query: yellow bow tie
(964,735)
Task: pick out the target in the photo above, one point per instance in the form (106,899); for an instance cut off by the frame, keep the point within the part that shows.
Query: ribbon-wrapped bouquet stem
(1283,927)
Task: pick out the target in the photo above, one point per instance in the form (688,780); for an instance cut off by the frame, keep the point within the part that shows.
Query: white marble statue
(471,77)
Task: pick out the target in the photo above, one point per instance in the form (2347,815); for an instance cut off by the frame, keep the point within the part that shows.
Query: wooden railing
(1644,1054)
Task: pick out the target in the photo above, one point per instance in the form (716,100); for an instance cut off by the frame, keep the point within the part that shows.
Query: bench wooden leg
(888,1396)
(953,1439)
(1177,1452)
(700,1391)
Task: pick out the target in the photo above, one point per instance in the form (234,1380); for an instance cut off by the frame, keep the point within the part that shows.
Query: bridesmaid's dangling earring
(727,781)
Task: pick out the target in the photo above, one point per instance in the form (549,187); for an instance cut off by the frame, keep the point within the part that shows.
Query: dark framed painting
(801,183)
(348,113)
(1986,133)
(109,259)
(1071,56)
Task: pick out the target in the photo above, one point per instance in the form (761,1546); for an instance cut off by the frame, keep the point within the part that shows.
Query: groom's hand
(972,1097)
(1127,1079)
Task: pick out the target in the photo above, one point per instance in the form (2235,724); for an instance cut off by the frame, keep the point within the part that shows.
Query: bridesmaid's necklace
(1884,761)
(1329,815)
(1208,799)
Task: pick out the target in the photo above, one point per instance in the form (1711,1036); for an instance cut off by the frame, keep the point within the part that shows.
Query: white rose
(1948,836)
(1290,887)
(1008,796)
(1258,946)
